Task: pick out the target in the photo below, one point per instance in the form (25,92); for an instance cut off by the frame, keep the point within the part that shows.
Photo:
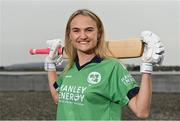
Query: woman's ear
(99,36)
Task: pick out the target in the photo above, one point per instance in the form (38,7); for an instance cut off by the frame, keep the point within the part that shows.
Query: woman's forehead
(82,21)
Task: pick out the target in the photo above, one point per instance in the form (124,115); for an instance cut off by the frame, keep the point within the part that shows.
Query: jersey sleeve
(123,85)
(58,82)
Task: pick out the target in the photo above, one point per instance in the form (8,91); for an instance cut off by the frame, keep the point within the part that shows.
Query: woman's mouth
(83,42)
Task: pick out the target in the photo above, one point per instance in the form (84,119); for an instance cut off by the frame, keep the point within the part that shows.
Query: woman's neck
(84,58)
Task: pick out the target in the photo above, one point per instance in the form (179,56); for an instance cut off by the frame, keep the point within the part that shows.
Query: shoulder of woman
(116,62)
(113,60)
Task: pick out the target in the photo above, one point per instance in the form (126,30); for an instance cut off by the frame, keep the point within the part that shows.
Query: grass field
(39,106)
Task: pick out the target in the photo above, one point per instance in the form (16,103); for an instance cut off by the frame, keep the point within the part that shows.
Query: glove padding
(53,59)
(153,51)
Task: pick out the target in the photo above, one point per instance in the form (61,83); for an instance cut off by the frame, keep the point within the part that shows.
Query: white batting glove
(153,51)
(53,59)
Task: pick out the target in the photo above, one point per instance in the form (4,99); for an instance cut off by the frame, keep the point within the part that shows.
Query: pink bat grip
(43,51)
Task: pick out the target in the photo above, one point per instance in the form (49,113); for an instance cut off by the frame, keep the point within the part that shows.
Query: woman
(94,86)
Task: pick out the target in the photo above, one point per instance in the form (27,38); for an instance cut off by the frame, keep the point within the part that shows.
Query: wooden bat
(125,48)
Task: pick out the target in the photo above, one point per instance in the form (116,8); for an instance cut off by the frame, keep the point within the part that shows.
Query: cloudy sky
(29,23)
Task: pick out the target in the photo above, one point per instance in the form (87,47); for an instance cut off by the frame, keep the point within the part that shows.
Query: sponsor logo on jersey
(94,78)
(127,79)
(72,94)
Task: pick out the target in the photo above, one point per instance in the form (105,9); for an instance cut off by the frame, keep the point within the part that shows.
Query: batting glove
(53,59)
(153,51)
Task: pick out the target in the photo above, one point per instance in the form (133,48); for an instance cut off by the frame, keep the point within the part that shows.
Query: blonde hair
(101,48)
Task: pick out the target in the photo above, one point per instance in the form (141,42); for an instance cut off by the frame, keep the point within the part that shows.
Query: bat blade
(126,48)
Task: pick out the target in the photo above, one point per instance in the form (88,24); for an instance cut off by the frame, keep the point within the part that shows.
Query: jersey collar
(96,59)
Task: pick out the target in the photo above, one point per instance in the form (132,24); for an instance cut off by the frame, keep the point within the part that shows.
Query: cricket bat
(124,48)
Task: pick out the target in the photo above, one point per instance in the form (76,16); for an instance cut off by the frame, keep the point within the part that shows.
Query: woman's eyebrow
(84,28)
(75,28)
(89,28)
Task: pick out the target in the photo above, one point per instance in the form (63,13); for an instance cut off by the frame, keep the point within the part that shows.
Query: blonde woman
(94,86)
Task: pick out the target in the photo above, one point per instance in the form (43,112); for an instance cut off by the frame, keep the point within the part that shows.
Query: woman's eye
(76,31)
(90,30)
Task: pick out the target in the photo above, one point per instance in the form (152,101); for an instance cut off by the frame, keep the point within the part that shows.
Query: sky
(28,24)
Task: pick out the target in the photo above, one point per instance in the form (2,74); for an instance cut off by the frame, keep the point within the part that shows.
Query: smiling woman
(84,29)
(92,82)
(83,34)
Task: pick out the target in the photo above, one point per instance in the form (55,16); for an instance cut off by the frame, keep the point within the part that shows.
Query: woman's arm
(141,103)
(51,61)
(52,76)
(153,54)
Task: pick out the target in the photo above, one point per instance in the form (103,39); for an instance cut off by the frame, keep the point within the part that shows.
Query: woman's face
(83,34)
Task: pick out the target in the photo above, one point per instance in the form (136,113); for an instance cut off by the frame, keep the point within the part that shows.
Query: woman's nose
(83,35)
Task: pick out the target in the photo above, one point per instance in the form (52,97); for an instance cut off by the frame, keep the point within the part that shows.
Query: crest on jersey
(94,78)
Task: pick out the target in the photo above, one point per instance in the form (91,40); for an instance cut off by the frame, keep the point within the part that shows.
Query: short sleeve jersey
(98,91)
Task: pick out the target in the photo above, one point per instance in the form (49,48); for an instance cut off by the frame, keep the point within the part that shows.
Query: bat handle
(43,51)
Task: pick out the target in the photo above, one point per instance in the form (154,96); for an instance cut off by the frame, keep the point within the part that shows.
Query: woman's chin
(86,51)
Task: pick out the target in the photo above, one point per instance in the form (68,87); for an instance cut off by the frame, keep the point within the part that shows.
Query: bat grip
(43,51)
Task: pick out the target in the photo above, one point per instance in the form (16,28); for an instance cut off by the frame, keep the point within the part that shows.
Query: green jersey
(96,91)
